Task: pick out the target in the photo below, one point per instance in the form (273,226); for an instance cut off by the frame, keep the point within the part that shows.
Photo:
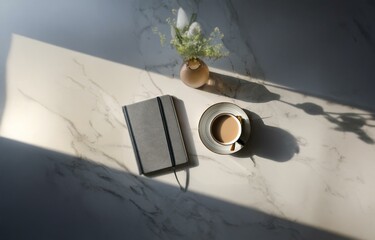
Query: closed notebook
(155,134)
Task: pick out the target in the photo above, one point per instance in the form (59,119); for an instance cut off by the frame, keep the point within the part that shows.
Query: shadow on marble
(315,46)
(239,89)
(183,182)
(2,93)
(268,142)
(332,56)
(3,73)
(51,195)
(345,122)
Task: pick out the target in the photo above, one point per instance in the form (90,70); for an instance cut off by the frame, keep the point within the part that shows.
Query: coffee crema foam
(225,128)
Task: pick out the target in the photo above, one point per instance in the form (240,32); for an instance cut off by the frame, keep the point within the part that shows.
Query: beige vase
(194,73)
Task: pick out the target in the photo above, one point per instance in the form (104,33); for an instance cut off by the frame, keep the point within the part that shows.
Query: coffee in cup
(226,129)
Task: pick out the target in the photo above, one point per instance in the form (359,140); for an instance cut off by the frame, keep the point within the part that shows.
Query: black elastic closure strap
(167,136)
(169,143)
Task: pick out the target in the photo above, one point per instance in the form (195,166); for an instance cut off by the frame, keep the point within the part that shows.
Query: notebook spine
(132,138)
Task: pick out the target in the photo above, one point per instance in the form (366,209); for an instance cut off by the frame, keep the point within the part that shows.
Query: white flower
(182,19)
(173,32)
(195,28)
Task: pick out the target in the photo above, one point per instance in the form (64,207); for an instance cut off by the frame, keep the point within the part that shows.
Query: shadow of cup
(268,142)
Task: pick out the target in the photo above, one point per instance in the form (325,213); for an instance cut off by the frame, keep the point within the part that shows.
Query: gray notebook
(155,134)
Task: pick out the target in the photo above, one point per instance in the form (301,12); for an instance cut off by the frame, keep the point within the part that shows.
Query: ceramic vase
(194,73)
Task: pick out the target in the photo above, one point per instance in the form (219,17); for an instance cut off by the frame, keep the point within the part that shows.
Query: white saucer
(210,114)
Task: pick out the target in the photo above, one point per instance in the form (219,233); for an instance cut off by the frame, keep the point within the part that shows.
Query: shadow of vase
(268,142)
(238,89)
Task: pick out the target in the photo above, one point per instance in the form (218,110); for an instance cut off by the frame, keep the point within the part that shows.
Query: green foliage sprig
(189,41)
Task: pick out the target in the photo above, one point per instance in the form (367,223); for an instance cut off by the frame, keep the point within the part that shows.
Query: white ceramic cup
(225,128)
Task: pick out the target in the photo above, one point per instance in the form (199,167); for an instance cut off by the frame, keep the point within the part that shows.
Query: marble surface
(67,168)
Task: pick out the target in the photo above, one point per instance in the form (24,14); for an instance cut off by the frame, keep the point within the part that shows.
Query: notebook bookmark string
(178,181)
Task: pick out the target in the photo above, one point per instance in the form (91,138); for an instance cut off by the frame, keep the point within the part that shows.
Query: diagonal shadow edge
(43,190)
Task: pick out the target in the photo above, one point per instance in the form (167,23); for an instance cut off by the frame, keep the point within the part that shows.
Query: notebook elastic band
(169,143)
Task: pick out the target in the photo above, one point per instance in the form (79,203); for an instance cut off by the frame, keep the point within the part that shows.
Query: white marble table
(68,171)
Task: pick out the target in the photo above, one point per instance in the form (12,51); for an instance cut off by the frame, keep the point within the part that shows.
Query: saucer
(210,114)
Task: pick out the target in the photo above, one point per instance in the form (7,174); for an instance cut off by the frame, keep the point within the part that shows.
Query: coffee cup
(226,129)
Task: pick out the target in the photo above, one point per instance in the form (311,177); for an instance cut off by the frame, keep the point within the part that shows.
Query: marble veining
(67,159)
